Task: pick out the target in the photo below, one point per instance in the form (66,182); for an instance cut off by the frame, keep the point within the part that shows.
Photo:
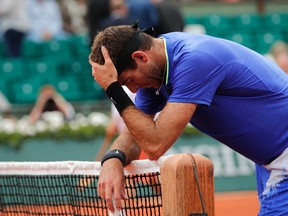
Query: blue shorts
(272,183)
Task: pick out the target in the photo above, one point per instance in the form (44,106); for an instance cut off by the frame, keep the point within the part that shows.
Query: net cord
(75,167)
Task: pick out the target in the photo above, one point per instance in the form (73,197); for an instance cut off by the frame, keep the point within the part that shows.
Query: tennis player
(227,91)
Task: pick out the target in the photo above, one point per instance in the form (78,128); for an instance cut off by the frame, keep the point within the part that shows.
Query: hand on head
(104,74)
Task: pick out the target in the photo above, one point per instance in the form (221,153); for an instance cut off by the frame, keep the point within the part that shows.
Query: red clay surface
(236,203)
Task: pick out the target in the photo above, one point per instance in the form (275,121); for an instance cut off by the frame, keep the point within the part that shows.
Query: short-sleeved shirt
(241,96)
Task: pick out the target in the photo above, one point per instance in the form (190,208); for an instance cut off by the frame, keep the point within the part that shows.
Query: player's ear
(139,55)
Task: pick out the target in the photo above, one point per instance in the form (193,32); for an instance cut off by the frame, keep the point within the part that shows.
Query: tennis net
(70,188)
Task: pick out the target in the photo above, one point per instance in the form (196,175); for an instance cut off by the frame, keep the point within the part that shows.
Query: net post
(187,182)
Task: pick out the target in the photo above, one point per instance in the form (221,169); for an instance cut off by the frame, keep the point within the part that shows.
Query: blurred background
(47,43)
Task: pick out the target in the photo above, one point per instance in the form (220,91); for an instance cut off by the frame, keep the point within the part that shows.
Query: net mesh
(58,189)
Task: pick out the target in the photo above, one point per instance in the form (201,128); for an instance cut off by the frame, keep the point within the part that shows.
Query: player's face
(144,76)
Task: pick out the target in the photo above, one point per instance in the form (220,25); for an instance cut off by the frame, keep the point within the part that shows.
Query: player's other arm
(156,137)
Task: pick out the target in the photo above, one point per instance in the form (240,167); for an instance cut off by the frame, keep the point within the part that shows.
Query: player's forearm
(126,143)
(156,137)
(147,133)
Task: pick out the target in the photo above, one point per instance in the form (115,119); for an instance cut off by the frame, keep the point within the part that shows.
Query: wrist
(109,84)
(116,153)
(118,96)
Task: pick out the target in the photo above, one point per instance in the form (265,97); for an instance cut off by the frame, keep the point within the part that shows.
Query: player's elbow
(153,157)
(154,153)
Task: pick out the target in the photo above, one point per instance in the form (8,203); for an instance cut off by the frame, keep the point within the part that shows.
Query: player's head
(121,41)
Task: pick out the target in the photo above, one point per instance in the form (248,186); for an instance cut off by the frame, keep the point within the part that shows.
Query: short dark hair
(117,39)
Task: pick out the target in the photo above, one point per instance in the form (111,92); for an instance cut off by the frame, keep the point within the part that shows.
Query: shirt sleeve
(197,75)
(148,102)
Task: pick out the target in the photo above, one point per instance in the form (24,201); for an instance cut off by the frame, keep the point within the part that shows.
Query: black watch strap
(116,153)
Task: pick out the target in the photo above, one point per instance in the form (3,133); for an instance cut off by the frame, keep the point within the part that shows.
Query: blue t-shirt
(242,97)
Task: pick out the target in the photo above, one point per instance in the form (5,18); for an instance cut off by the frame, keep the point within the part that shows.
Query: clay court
(236,203)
